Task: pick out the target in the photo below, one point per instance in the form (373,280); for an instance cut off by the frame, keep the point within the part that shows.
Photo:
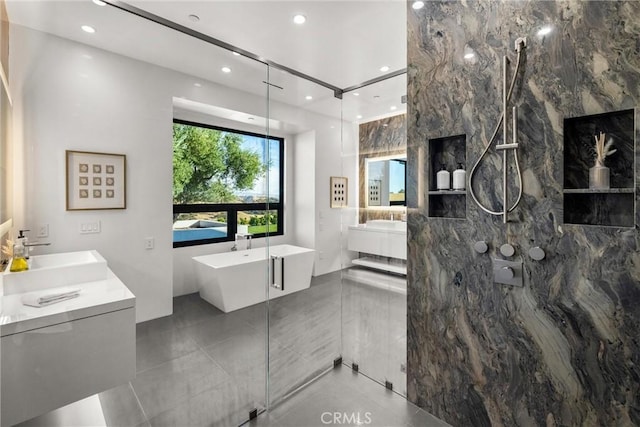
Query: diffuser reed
(602,148)
(599,174)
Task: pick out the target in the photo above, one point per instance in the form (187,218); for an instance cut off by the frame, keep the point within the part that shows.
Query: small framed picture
(85,181)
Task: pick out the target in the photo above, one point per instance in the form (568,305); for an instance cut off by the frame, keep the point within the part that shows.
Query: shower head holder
(521,43)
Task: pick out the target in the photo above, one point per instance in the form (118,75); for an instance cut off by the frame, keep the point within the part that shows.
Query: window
(397,182)
(225,182)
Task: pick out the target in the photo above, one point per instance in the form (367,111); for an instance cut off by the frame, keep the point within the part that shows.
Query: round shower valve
(537,253)
(481,246)
(507,250)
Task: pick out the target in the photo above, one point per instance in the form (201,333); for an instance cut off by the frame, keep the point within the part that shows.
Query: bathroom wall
(379,138)
(69,96)
(72,96)
(564,348)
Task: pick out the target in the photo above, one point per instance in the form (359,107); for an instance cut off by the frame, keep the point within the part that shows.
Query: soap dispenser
(19,262)
(459,178)
(443,178)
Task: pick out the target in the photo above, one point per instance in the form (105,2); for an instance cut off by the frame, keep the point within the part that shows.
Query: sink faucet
(29,245)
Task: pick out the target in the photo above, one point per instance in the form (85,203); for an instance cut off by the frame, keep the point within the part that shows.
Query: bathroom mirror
(6,190)
(386,179)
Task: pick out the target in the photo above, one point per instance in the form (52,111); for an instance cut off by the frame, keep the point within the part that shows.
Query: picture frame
(339,192)
(95,180)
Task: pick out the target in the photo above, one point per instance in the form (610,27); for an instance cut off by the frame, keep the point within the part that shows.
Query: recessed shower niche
(446,152)
(583,204)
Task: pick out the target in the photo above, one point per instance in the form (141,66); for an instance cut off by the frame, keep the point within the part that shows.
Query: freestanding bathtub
(233,280)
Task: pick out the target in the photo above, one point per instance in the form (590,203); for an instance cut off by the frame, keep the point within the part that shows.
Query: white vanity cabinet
(57,354)
(385,240)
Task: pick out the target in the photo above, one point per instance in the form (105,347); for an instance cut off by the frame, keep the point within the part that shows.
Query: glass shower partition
(374,273)
(304,299)
(223,96)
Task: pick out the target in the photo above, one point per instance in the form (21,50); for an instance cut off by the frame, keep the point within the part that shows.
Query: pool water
(184,235)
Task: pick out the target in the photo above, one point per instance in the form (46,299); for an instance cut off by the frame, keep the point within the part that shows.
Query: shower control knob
(506,273)
(507,250)
(537,253)
(481,246)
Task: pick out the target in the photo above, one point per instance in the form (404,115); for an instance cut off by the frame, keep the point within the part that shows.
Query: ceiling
(343,43)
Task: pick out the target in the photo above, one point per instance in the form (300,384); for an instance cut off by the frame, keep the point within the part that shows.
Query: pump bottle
(459,178)
(19,262)
(443,178)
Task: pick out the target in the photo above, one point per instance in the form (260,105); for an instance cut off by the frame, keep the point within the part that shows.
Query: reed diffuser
(599,174)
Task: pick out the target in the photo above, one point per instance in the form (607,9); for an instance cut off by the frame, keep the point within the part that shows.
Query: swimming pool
(186,234)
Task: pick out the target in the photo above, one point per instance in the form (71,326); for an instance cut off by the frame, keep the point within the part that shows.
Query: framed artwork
(95,180)
(338,192)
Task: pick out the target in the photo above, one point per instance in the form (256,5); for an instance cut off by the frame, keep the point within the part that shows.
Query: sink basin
(55,270)
(387,224)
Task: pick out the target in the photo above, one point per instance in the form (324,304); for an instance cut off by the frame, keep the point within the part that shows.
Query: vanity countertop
(99,297)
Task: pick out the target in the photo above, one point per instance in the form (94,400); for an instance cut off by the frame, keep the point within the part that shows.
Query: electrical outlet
(43,230)
(149,243)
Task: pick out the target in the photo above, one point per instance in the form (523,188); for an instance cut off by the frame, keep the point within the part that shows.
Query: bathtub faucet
(246,237)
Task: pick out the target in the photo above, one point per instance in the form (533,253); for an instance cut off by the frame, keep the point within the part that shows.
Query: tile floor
(202,367)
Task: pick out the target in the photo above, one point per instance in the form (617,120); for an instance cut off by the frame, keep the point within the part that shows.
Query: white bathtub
(233,280)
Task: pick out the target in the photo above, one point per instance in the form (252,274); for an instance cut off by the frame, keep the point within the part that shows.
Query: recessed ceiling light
(88,29)
(308,97)
(250,118)
(197,85)
(384,68)
(356,94)
(194,18)
(393,107)
(99,2)
(417,5)
(358,116)
(299,19)
(236,53)
(226,69)
(544,30)
(469,55)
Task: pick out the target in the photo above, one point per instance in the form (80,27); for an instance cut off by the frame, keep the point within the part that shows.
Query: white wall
(71,96)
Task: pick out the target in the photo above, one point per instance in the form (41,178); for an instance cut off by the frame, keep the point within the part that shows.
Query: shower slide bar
(507,91)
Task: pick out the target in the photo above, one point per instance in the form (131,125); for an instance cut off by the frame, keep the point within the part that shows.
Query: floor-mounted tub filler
(233,280)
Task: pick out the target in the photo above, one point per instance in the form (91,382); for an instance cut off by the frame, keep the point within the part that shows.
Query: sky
(257,145)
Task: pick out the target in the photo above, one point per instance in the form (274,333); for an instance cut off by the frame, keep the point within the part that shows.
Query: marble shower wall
(384,137)
(564,349)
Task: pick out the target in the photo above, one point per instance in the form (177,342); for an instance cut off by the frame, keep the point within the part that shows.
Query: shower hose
(520,48)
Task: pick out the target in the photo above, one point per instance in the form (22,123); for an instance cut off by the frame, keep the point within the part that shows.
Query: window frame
(232,209)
